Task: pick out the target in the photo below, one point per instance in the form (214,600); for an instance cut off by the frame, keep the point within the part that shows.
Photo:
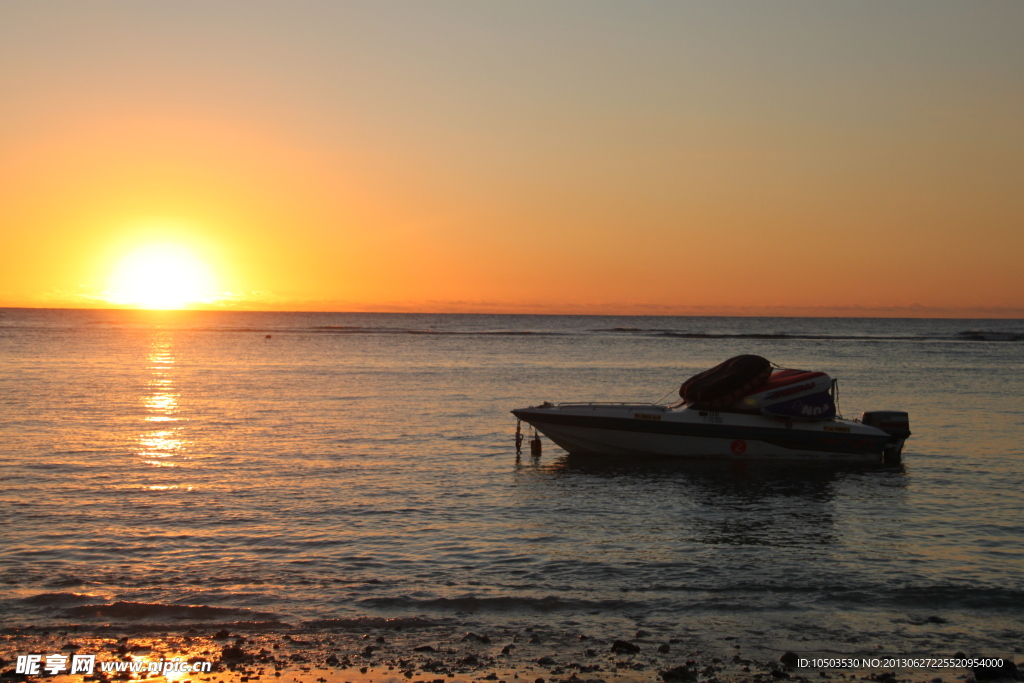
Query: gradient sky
(808,158)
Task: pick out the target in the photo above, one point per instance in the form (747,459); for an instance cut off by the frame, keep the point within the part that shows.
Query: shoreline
(416,651)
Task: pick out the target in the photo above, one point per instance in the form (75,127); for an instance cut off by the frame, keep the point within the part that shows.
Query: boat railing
(606,404)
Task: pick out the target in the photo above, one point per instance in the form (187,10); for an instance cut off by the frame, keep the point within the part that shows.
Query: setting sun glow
(162,277)
(536,158)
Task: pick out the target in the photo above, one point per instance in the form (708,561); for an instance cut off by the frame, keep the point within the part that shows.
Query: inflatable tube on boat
(818,406)
(724,384)
(785,385)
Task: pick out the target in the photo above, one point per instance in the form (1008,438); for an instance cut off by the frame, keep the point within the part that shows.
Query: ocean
(316,469)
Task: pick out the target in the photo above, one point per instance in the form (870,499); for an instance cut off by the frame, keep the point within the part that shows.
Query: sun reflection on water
(164,439)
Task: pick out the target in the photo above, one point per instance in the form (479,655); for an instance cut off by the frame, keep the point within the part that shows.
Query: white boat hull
(645,430)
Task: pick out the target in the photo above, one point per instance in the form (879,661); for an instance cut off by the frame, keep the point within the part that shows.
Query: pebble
(624,647)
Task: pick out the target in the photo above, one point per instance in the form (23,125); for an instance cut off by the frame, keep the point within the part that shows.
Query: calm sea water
(305,467)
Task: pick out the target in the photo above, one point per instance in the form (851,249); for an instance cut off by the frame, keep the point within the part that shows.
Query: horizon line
(837,312)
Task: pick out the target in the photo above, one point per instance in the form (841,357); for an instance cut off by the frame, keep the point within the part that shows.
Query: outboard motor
(896,424)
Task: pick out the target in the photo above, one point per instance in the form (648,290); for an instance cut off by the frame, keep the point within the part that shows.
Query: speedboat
(784,415)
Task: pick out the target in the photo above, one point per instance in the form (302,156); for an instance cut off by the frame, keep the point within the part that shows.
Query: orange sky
(579,157)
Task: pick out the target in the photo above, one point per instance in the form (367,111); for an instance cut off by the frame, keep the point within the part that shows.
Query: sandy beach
(401,650)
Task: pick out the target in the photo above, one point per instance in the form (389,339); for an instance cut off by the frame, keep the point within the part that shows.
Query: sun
(162,276)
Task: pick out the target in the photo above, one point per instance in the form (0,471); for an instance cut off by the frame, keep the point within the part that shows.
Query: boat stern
(895,423)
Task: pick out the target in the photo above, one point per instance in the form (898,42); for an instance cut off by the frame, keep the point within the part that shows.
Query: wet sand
(401,652)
